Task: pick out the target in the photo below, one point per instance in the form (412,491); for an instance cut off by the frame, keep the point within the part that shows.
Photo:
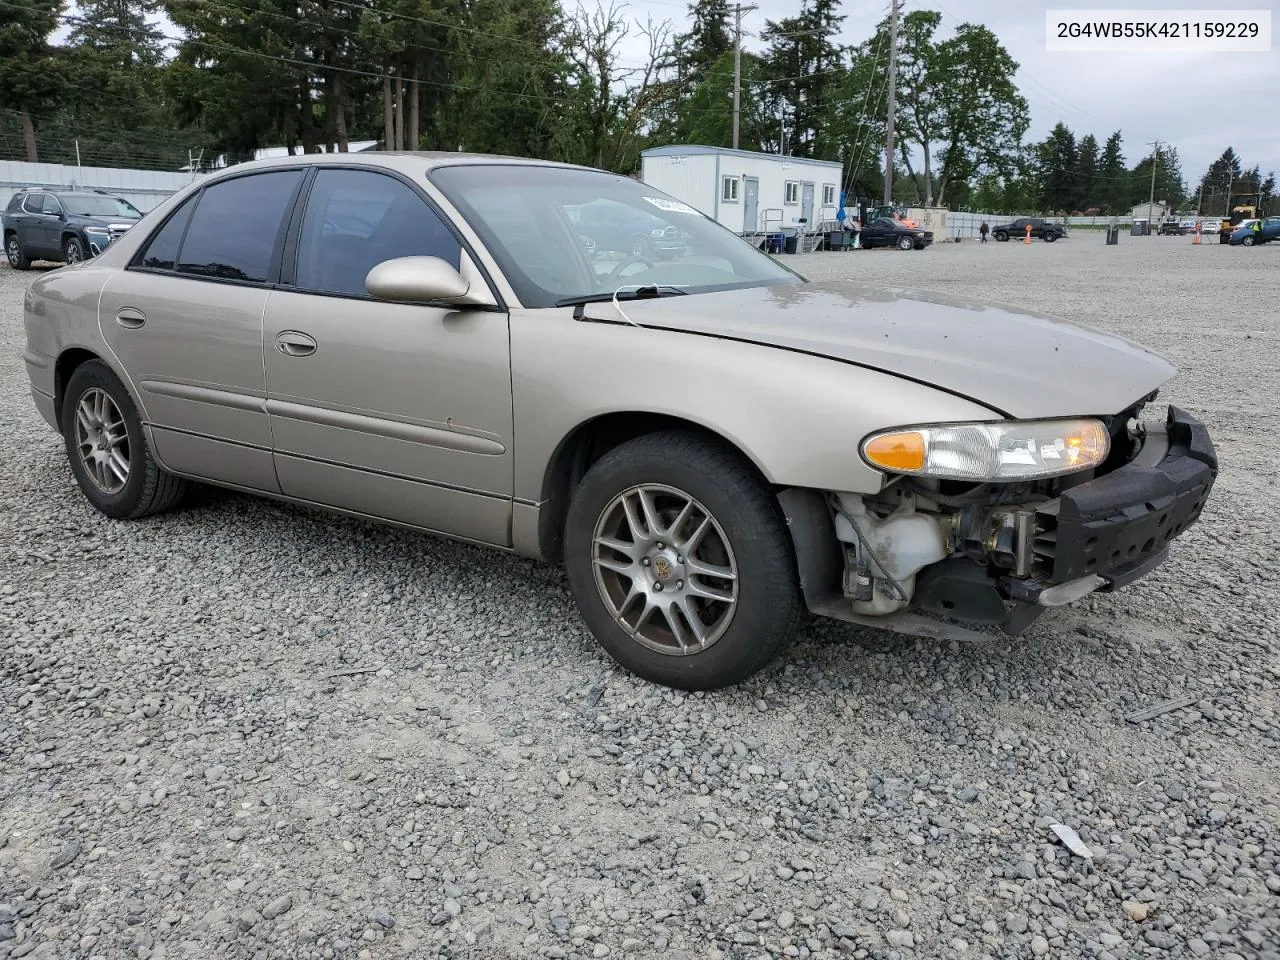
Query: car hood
(1019,363)
(104,221)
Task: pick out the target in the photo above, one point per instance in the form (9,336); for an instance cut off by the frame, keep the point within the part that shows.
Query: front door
(392,410)
(750,204)
(806,204)
(186,322)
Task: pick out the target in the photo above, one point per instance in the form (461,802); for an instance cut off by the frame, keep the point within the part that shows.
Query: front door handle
(130,317)
(294,344)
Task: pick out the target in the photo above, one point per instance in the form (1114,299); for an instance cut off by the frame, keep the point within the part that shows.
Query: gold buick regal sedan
(570,365)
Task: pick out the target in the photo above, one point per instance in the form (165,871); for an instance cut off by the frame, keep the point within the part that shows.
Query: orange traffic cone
(1027,239)
(1196,241)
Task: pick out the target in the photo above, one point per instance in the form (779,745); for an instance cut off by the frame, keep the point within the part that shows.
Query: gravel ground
(249,730)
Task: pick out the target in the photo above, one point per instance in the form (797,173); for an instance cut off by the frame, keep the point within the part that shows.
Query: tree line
(159,83)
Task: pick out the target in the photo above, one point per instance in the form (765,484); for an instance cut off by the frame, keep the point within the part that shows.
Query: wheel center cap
(662,569)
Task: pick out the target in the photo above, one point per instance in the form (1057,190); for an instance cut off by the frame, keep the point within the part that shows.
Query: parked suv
(617,228)
(66,225)
(1040,229)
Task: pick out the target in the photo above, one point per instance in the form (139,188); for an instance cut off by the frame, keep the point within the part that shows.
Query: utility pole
(738,11)
(893,79)
(1151,202)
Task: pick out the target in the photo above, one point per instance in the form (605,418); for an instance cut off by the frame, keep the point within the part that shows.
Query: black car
(68,225)
(887,232)
(1040,229)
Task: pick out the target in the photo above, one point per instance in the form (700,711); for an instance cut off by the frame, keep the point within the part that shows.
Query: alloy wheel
(102,441)
(73,252)
(665,569)
(14,251)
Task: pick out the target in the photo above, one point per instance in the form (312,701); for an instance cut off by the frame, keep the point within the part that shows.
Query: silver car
(709,444)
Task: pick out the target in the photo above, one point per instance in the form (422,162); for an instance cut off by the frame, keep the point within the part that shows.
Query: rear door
(392,410)
(185,320)
(38,228)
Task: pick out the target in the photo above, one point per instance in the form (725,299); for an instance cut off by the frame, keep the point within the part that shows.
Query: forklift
(1245,209)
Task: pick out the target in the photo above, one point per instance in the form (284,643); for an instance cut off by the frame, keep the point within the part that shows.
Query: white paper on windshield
(671,206)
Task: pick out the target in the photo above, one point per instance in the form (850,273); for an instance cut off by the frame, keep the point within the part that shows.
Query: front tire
(906,243)
(13,250)
(73,250)
(1050,237)
(680,562)
(109,454)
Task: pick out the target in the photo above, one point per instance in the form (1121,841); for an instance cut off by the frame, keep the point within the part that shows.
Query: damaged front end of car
(989,525)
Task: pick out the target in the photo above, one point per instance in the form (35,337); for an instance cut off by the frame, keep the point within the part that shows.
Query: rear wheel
(13,250)
(1002,235)
(1249,240)
(680,562)
(109,454)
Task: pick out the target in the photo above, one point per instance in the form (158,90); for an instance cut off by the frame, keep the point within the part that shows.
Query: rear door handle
(130,317)
(295,344)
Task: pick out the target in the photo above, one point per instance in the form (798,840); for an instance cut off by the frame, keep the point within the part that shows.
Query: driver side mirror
(416,280)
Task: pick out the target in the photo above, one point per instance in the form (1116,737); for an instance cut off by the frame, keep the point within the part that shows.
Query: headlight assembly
(1002,451)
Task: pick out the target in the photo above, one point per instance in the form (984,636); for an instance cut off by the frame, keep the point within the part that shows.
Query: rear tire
(13,251)
(1002,236)
(663,562)
(1248,241)
(108,451)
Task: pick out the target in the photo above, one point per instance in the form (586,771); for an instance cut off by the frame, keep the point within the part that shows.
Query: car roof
(69,193)
(400,160)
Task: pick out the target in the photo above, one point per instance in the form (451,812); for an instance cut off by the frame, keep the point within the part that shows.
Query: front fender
(798,417)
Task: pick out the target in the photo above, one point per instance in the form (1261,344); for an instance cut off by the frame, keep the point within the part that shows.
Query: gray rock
(280,905)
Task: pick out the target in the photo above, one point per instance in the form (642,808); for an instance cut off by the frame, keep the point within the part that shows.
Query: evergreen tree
(1057,156)
(1086,179)
(709,38)
(1221,178)
(29,78)
(1113,181)
(804,63)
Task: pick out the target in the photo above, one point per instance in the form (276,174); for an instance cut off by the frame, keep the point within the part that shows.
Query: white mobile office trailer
(745,191)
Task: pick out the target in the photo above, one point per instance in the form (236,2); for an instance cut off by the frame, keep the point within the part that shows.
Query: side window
(34,203)
(235,224)
(161,252)
(14,203)
(52,206)
(355,220)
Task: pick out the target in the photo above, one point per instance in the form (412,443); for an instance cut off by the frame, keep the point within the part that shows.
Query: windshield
(561,234)
(98,206)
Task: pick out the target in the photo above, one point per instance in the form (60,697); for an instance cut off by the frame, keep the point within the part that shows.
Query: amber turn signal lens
(896,452)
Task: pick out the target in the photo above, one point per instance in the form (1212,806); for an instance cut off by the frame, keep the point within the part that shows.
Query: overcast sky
(1201,103)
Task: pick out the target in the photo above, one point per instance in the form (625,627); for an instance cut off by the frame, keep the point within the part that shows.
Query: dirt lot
(190,765)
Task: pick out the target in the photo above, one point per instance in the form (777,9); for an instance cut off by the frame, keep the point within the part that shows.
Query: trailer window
(791,192)
(828,195)
(729,189)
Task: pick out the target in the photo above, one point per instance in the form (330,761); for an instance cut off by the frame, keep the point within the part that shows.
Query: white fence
(143,188)
(965,225)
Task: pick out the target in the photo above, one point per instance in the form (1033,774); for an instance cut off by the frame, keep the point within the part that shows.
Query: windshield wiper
(647,291)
